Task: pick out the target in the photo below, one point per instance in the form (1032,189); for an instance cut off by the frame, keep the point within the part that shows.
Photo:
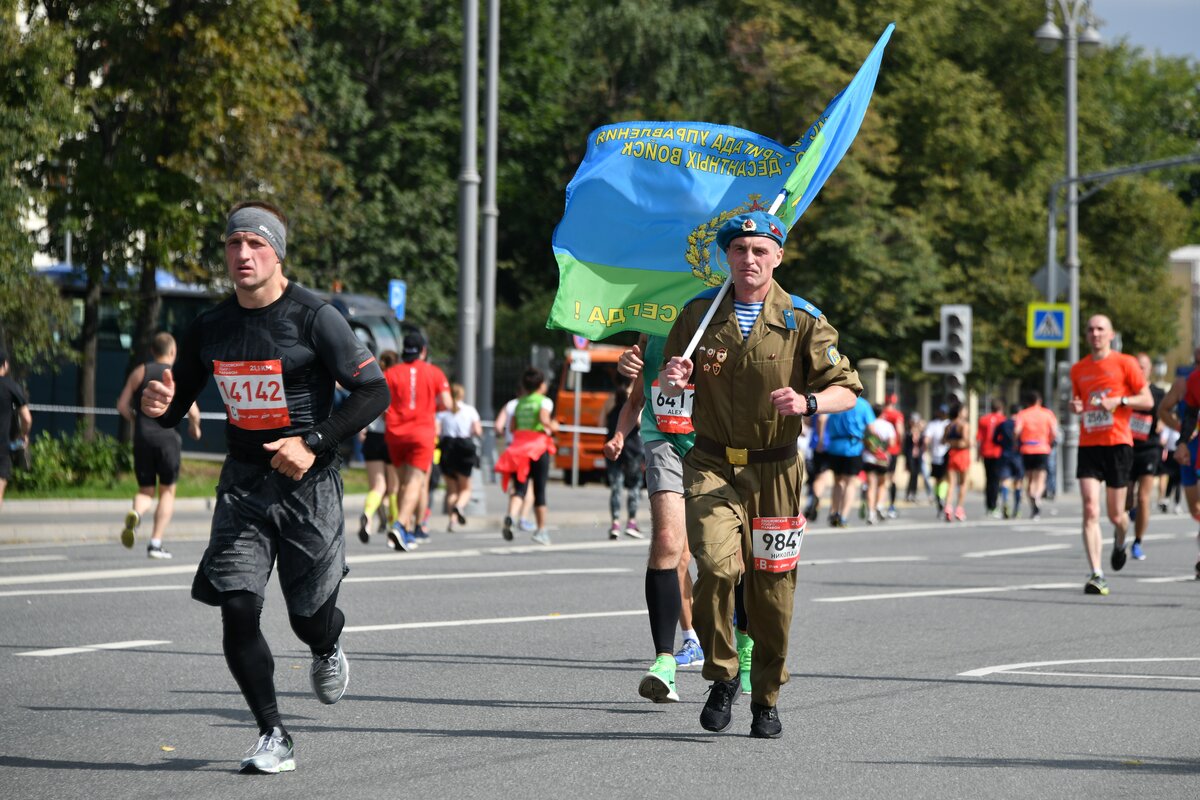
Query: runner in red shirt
(896,417)
(1105,388)
(418,390)
(989,454)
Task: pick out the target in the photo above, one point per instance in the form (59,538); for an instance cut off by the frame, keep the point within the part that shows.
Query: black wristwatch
(812,405)
(314,441)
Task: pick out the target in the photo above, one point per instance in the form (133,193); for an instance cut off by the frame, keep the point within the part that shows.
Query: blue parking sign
(397,295)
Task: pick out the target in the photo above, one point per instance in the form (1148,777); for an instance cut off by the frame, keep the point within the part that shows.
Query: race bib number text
(776,542)
(1095,416)
(1140,425)
(673,414)
(253,393)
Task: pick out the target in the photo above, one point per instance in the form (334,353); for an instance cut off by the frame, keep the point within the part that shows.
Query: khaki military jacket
(791,344)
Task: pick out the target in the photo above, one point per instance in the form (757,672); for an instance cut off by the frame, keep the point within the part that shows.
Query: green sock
(374,499)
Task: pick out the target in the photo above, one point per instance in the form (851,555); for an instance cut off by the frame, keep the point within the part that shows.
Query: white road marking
(457,623)
(516,573)
(946,592)
(1169,579)
(357,579)
(1016,551)
(1103,675)
(1012,668)
(100,574)
(27,559)
(97,590)
(92,648)
(822,562)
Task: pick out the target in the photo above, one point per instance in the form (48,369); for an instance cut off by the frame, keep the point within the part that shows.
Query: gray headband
(252,219)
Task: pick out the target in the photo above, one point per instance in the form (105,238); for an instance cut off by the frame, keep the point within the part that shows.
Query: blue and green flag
(638,237)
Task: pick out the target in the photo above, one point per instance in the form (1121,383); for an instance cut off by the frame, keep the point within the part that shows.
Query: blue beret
(756,223)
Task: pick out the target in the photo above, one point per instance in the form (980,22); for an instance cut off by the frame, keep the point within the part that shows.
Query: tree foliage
(36,111)
(348,113)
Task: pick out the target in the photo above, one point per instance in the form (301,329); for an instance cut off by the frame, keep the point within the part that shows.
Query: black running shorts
(1146,461)
(156,463)
(1108,463)
(263,517)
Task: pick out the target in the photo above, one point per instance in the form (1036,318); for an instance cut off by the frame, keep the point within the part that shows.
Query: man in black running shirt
(275,350)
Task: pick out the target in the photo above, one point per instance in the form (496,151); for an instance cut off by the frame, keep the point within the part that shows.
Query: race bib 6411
(253,393)
(672,414)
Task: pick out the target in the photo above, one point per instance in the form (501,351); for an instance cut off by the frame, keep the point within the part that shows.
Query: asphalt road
(928,660)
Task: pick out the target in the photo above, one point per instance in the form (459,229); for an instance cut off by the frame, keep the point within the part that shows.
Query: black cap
(414,343)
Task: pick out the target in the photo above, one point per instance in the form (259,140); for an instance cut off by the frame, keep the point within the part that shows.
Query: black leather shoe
(766,724)
(718,709)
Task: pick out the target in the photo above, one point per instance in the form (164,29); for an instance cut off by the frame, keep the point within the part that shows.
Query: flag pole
(712,309)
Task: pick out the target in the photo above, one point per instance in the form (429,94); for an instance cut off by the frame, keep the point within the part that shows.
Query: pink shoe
(960,515)
(632,530)
(615,531)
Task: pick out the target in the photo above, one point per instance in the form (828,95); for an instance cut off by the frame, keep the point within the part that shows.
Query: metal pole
(1051,280)
(491,214)
(1071,443)
(577,378)
(468,202)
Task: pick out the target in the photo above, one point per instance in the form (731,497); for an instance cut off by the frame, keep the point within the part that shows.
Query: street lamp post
(1049,35)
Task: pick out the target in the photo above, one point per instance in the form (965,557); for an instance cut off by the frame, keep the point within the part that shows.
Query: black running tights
(249,658)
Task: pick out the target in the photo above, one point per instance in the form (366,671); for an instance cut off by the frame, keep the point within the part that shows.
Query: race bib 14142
(253,393)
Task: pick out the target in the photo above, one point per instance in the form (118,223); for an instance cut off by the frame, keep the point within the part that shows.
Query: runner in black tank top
(156,450)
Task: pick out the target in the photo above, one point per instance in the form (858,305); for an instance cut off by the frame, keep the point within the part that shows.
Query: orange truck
(594,388)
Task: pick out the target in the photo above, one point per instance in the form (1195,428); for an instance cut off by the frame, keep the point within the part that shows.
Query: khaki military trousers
(721,500)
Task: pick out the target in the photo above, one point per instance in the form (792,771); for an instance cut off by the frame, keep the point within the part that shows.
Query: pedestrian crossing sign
(1048,325)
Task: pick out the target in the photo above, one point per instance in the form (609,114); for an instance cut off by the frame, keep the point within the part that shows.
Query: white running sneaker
(330,675)
(271,754)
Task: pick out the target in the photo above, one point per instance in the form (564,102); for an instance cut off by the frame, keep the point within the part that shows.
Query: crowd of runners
(711,417)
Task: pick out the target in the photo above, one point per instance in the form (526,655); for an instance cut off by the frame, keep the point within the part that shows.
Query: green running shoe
(658,685)
(132,520)
(1096,585)
(745,648)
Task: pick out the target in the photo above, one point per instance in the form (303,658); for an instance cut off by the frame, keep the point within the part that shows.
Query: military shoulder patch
(833,355)
(804,305)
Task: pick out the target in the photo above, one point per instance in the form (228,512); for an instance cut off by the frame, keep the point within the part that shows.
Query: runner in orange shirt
(1036,432)
(1105,388)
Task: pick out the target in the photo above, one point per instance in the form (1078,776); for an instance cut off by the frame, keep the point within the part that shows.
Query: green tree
(191,106)
(36,113)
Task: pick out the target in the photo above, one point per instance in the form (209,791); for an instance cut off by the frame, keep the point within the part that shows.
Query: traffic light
(951,354)
(956,387)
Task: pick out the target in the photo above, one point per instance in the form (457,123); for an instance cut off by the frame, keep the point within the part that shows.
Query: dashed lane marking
(458,623)
(1032,668)
(948,592)
(92,648)
(357,579)
(29,559)
(1016,551)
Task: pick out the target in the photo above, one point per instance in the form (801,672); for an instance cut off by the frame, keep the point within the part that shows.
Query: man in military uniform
(766,359)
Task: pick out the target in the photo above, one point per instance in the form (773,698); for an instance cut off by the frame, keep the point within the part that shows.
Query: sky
(1170,27)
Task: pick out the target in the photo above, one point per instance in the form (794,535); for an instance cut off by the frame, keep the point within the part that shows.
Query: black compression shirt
(275,368)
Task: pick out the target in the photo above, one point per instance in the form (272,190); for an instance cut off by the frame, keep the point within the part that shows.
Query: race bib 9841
(253,393)
(776,542)
(672,414)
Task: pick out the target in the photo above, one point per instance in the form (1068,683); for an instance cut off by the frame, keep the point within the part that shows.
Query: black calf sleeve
(662,598)
(322,630)
(248,656)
